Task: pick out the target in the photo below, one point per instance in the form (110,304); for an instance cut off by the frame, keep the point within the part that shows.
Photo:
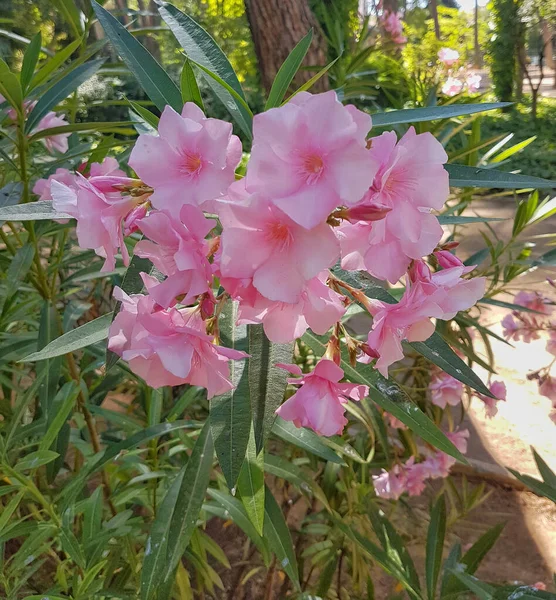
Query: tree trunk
(276,27)
(478,57)
(149,19)
(433,7)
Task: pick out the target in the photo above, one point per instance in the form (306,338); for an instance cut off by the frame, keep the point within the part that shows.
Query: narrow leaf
(61,91)
(305,439)
(53,63)
(230,414)
(34,460)
(33,211)
(455,220)
(189,88)
(279,539)
(153,79)
(287,71)
(549,477)
(462,176)
(432,113)
(18,269)
(267,383)
(200,47)
(62,405)
(30,59)
(250,484)
(71,546)
(309,84)
(81,337)
(482,590)
(435,546)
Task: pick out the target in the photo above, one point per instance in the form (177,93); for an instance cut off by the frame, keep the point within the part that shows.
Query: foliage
(503,46)
(111,489)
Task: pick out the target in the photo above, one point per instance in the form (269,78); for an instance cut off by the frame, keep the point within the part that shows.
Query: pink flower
(393,323)
(319,402)
(42,186)
(551,344)
(452,86)
(191,161)
(498,389)
(100,210)
(448,56)
(57,142)
(178,250)
(309,157)
(169,347)
(261,242)
(109,166)
(390,484)
(318,308)
(410,181)
(547,388)
(394,422)
(533,300)
(447,260)
(473,82)
(392,24)
(539,586)
(445,390)
(446,291)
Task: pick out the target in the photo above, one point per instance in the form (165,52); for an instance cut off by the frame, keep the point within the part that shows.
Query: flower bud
(130,222)
(365,212)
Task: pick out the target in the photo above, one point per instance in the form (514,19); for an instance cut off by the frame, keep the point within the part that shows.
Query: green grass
(539,158)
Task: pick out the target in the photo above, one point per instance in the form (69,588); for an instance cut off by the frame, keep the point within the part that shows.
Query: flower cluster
(456,80)
(392,26)
(57,141)
(411,476)
(533,325)
(316,191)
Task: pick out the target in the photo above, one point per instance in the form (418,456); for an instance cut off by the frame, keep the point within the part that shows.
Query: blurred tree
(504,46)
(276,27)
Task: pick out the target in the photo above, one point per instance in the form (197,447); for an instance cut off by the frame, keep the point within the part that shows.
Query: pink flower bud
(131,221)
(366,212)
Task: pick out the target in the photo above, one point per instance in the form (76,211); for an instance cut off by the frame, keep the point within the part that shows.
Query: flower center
(312,167)
(192,164)
(279,234)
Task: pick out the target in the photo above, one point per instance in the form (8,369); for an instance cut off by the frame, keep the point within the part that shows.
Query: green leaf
(71,546)
(10,87)
(62,403)
(305,439)
(267,383)
(474,556)
(18,269)
(279,539)
(280,467)
(30,59)
(48,331)
(250,484)
(287,71)
(539,487)
(389,396)
(548,259)
(309,84)
(508,152)
(69,492)
(435,546)
(153,79)
(234,510)
(188,85)
(482,590)
(509,305)
(34,460)
(9,509)
(32,211)
(391,566)
(145,114)
(192,493)
(549,477)
(61,91)
(455,220)
(237,97)
(118,126)
(230,414)
(177,517)
(432,113)
(81,337)
(521,592)
(70,12)
(53,63)
(201,48)
(462,176)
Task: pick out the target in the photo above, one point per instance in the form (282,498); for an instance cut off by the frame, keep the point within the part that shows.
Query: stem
(93,433)
(269,580)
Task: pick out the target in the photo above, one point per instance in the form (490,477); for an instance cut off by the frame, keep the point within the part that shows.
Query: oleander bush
(224,371)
